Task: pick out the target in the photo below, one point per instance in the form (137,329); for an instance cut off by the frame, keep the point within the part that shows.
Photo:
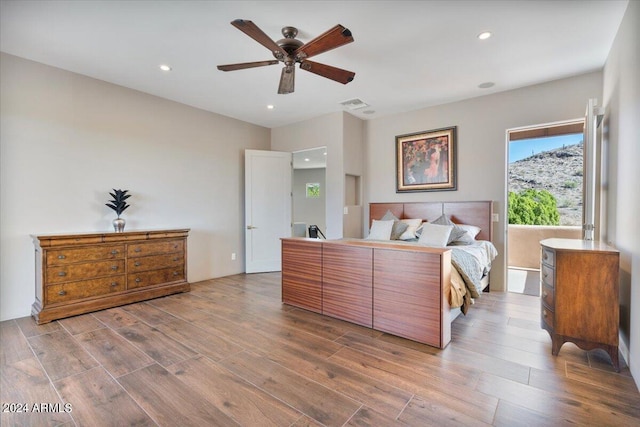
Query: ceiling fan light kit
(291,51)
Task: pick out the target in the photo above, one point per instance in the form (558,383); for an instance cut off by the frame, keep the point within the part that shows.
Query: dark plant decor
(118,204)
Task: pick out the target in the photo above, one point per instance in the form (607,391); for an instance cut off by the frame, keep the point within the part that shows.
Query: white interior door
(267,208)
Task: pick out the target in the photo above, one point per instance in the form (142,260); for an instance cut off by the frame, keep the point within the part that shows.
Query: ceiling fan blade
(252,30)
(287,80)
(331,39)
(337,74)
(242,66)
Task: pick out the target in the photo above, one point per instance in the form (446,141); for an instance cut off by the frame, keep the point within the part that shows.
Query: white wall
(354,156)
(66,140)
(622,137)
(481,144)
(309,210)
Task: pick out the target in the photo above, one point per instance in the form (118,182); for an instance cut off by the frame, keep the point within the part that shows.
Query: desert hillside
(558,171)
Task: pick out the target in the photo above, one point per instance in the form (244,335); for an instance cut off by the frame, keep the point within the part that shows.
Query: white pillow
(471,231)
(410,232)
(435,235)
(456,232)
(380,230)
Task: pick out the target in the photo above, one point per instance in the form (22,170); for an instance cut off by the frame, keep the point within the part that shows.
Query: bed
(395,286)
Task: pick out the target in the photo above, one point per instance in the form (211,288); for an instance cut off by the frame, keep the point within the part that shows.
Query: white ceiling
(406,54)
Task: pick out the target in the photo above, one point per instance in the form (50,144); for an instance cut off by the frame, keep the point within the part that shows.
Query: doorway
(545,195)
(309,190)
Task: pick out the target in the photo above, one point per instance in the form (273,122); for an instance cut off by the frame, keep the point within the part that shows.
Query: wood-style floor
(230,353)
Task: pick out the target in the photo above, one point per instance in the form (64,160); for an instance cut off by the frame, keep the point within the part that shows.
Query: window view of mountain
(557,170)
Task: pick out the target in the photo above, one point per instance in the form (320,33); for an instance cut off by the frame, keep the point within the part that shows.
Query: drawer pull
(545,256)
(176,259)
(137,264)
(544,314)
(62,256)
(62,273)
(114,252)
(545,274)
(175,273)
(138,280)
(544,294)
(62,293)
(114,284)
(114,267)
(137,250)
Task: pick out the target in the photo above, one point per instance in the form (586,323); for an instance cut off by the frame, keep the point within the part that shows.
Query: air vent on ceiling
(354,104)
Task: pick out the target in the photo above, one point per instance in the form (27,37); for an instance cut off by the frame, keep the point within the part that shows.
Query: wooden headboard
(471,213)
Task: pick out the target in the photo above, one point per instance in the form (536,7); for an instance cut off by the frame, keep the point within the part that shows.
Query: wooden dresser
(80,273)
(579,295)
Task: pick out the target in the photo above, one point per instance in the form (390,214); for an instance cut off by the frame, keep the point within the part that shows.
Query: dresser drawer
(88,270)
(547,275)
(84,289)
(155,248)
(547,296)
(156,277)
(548,257)
(547,317)
(94,253)
(154,262)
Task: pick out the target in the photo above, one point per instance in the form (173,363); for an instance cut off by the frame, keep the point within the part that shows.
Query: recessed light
(486,85)
(368,112)
(165,67)
(484,35)
(270,107)
(307,160)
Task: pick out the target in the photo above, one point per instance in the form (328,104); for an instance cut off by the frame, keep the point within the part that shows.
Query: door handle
(250,227)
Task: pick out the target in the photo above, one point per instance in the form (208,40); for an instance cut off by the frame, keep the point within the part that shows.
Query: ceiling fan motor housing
(289,43)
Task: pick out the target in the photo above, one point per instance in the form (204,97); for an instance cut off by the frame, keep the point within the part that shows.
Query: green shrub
(533,207)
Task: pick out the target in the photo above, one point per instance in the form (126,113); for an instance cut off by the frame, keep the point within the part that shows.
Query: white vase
(118,224)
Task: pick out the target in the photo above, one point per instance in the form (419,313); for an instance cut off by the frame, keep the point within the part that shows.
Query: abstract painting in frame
(426,161)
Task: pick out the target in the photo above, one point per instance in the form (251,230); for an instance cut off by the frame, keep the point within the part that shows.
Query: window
(546,169)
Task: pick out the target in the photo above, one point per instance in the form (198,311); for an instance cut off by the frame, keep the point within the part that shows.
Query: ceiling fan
(290,51)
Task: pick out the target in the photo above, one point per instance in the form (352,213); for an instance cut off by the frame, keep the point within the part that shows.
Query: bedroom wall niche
(309,190)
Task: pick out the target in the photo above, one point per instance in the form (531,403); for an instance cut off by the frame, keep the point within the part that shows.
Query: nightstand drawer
(548,257)
(547,296)
(547,275)
(547,317)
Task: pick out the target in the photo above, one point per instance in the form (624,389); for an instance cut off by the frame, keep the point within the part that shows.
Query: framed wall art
(426,161)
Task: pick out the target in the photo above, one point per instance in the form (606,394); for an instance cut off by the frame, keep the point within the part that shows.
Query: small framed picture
(313,190)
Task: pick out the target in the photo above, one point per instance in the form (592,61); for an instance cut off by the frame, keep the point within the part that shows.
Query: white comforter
(472,263)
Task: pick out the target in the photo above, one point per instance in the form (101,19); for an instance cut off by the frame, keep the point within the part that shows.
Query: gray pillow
(456,233)
(399,227)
